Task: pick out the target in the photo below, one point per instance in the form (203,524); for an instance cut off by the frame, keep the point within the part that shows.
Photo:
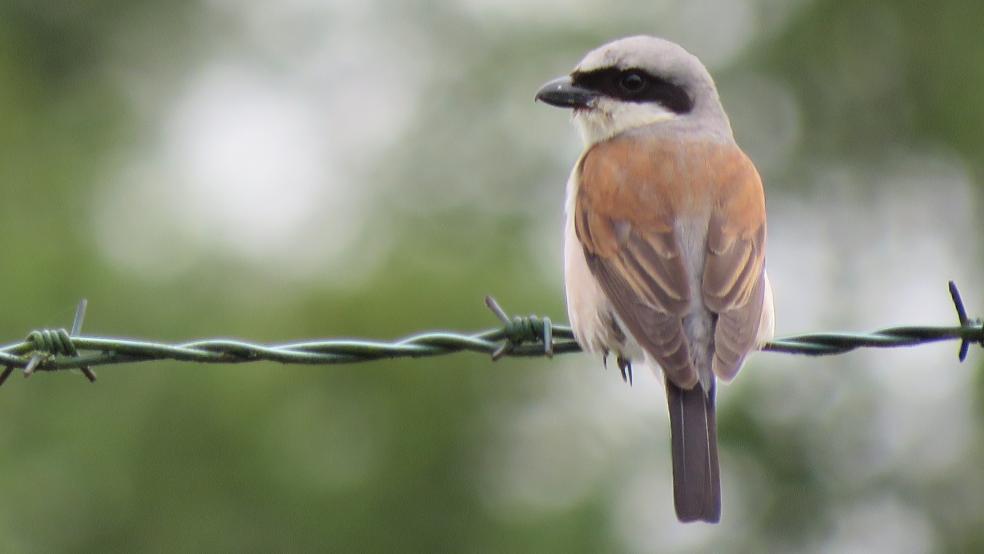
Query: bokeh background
(285,170)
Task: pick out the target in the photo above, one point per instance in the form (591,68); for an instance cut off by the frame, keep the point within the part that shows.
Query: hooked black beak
(563,93)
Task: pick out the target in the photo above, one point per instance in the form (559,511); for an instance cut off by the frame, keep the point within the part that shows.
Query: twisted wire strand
(532,336)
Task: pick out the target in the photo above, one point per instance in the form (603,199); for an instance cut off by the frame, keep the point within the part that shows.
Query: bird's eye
(632,82)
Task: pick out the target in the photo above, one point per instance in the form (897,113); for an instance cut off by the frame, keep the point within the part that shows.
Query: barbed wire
(58,349)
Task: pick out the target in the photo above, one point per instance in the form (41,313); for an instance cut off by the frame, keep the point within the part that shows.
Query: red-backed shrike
(664,248)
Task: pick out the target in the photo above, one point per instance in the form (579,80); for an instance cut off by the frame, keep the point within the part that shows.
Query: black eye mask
(635,85)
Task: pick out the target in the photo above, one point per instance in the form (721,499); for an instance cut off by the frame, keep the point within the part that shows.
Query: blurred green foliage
(395,456)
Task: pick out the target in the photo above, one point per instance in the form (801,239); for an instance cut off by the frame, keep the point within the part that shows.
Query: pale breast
(591,315)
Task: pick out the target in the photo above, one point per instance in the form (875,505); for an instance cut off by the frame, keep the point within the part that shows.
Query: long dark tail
(693,432)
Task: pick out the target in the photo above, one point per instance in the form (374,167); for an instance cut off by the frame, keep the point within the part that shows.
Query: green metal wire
(58,349)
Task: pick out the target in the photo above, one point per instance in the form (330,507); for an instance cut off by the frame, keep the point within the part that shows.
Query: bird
(664,240)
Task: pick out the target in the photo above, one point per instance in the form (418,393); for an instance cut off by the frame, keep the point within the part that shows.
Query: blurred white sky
(265,145)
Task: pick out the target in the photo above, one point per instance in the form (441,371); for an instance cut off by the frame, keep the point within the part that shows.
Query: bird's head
(635,82)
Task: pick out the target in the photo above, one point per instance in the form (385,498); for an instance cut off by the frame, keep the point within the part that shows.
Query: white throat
(609,117)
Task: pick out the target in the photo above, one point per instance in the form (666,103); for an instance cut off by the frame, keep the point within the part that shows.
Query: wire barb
(47,343)
(76,329)
(532,336)
(964,322)
(521,330)
(6,373)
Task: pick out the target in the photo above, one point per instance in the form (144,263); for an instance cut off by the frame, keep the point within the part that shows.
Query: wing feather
(629,199)
(635,256)
(733,284)
(658,332)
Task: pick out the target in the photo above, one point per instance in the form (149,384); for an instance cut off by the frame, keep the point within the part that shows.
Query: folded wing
(629,201)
